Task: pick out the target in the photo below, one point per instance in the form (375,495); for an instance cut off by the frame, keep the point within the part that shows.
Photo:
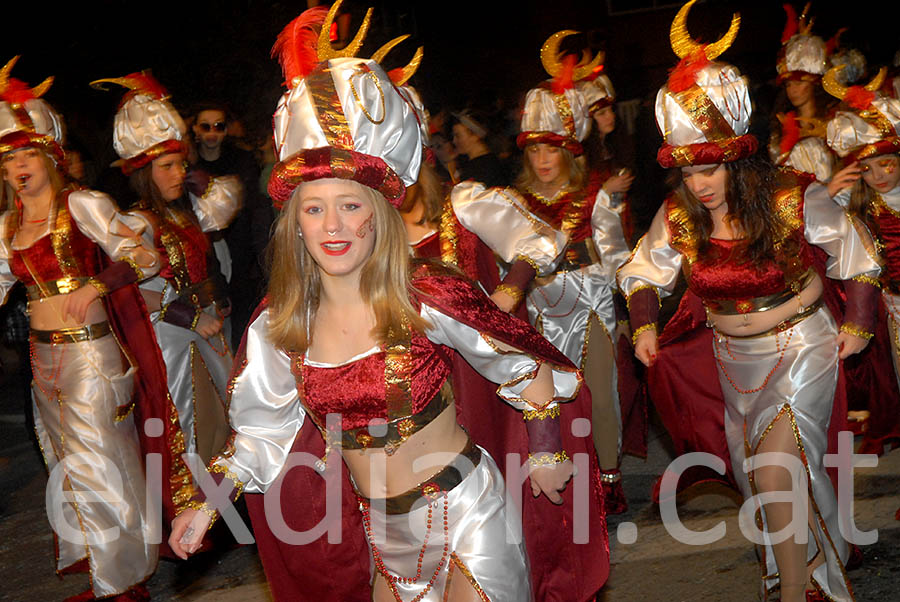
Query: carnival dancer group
(456,361)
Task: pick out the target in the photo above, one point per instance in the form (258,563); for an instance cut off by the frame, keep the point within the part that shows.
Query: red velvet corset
(77,254)
(183,249)
(887,230)
(724,273)
(571,212)
(365,390)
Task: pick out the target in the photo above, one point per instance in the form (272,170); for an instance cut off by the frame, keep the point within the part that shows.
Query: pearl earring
(299,233)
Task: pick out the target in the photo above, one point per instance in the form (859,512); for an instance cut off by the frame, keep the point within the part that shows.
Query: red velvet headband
(332,162)
(21,139)
(885,146)
(145,158)
(527,138)
(707,153)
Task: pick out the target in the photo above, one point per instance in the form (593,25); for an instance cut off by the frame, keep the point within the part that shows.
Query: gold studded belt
(784,325)
(54,287)
(446,479)
(391,435)
(71,335)
(732,307)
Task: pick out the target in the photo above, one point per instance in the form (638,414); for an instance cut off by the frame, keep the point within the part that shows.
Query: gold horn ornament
(410,69)
(839,91)
(41,89)
(684,45)
(4,73)
(550,57)
(326,50)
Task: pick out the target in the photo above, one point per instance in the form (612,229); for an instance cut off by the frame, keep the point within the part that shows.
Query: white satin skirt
(96,499)
(197,372)
(484,530)
(800,389)
(560,308)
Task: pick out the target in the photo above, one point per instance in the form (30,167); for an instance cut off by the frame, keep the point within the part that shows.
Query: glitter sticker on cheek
(366,227)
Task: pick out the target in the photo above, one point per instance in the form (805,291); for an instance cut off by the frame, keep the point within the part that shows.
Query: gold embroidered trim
(513,291)
(469,577)
(639,331)
(551,412)
(134,266)
(856,330)
(97,284)
(449,240)
(529,261)
(639,288)
(547,459)
(231,476)
(868,280)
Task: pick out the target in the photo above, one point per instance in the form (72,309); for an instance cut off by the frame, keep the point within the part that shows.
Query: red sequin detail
(194,245)
(572,211)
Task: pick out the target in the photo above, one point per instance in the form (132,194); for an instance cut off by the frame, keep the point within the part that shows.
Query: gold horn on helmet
(326,50)
(550,57)
(683,44)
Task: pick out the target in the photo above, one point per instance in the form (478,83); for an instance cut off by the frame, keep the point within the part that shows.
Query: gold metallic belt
(782,326)
(395,432)
(55,287)
(71,335)
(733,307)
(446,479)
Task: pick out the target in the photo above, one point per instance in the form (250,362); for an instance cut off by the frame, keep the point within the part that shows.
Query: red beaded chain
(562,295)
(778,349)
(393,580)
(54,370)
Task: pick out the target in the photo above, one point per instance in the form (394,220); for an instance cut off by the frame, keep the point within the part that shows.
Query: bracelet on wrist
(856,330)
(97,284)
(641,330)
(547,459)
(196,319)
(513,291)
(204,508)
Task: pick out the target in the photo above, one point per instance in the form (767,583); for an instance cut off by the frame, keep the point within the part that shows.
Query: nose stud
(330,233)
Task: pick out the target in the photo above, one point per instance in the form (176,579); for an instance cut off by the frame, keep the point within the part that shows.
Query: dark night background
(475,51)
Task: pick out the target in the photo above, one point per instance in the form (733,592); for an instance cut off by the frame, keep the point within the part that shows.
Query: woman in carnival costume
(864,133)
(802,107)
(570,301)
(351,327)
(187,302)
(743,233)
(79,259)
(560,568)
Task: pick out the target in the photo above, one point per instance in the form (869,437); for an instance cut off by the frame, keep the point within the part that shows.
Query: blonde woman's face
(882,173)
(337,223)
(547,162)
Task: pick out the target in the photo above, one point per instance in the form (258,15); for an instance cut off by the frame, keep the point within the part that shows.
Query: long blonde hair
(295,282)
(55,176)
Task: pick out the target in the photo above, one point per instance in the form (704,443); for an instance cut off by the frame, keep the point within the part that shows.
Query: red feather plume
(790,133)
(17,92)
(296,45)
(684,75)
(859,98)
(563,80)
(791,25)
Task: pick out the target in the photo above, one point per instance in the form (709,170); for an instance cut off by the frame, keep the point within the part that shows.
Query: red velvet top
(886,227)
(65,252)
(571,212)
(183,249)
(364,390)
(725,273)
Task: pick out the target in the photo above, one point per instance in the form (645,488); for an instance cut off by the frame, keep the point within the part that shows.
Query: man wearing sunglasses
(245,237)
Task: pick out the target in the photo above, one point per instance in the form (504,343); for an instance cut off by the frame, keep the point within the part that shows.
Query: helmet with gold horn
(803,56)
(401,75)
(555,112)
(868,124)
(25,118)
(146,125)
(342,116)
(704,109)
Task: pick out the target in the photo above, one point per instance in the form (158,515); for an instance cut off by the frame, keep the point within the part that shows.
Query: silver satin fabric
(501,219)
(481,522)
(181,347)
(805,382)
(892,302)
(266,414)
(850,249)
(92,386)
(97,216)
(143,122)
(811,155)
(215,210)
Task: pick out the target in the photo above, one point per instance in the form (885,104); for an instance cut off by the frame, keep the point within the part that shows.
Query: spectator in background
(470,138)
(218,155)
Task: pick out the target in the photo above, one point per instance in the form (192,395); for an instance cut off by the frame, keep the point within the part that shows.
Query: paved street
(654,567)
